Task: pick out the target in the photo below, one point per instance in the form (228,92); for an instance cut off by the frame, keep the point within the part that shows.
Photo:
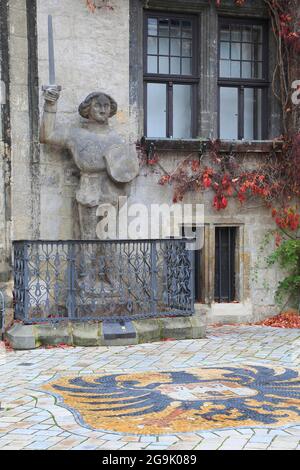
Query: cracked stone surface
(31,418)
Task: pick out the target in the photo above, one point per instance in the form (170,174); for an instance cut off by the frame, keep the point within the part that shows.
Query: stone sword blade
(51,52)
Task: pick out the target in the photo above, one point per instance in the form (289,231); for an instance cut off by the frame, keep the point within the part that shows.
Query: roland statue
(105,161)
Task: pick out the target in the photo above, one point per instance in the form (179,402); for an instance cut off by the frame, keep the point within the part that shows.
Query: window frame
(172,79)
(262,84)
(228,271)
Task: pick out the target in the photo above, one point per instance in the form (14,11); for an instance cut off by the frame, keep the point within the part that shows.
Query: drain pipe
(2,311)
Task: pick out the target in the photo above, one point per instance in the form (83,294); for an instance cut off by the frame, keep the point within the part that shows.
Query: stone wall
(22,197)
(256,284)
(5,203)
(92,53)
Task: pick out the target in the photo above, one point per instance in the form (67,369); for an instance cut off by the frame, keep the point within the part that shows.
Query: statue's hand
(51,94)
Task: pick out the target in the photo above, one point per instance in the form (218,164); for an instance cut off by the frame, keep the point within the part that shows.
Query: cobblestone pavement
(31,418)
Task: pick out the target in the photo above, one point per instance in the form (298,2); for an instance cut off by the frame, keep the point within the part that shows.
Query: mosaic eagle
(255,393)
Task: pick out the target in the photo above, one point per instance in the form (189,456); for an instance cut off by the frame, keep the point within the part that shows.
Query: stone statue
(105,161)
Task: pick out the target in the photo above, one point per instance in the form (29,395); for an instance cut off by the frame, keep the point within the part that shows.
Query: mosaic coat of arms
(183,401)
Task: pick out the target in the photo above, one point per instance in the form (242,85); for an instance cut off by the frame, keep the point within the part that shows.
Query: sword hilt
(46,87)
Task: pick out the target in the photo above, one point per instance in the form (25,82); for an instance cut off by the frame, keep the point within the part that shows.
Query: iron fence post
(2,314)
(153,257)
(71,302)
(26,282)
(191,255)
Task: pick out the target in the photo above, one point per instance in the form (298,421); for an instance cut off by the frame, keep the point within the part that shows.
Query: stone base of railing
(102,334)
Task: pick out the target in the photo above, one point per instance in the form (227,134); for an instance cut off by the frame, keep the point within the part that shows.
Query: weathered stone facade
(103,51)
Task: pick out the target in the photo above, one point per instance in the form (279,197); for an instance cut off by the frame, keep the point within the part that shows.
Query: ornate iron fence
(102,280)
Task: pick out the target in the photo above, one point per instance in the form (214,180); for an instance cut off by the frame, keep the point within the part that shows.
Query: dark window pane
(152,64)
(156,110)
(186,29)
(236,34)
(257,34)
(257,70)
(182,111)
(228,113)
(175,28)
(257,52)
(163,27)
(225,33)
(247,33)
(152,27)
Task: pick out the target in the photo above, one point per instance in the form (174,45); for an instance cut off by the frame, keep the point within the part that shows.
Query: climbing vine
(287,256)
(275,179)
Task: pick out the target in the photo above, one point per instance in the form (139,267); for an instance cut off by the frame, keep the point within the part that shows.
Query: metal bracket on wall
(150,151)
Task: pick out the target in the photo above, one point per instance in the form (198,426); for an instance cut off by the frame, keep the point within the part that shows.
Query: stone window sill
(196,145)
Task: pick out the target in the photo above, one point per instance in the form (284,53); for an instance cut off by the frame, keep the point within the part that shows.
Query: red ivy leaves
(283,320)
(207,177)
(287,31)
(237,2)
(164,179)
(195,164)
(92,6)
(276,182)
(220,202)
(287,218)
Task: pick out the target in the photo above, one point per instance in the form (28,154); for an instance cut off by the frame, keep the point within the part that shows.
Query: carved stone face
(100,109)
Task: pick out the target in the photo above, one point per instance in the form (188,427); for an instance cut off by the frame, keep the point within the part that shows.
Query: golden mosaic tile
(183,401)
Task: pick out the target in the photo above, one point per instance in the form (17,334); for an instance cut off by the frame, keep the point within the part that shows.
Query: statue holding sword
(106,162)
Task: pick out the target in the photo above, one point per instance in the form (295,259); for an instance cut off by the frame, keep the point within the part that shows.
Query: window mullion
(241,112)
(229,265)
(255,113)
(170,109)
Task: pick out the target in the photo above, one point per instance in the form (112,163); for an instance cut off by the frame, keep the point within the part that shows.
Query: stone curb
(22,337)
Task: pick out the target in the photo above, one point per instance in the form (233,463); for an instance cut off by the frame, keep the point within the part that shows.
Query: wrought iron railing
(102,280)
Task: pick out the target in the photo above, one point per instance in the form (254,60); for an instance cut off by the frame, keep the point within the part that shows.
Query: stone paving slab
(31,418)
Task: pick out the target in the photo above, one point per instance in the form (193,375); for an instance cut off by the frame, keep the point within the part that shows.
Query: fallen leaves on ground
(59,345)
(283,320)
(6,345)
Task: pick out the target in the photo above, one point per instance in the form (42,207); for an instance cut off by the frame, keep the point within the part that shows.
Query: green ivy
(287,256)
